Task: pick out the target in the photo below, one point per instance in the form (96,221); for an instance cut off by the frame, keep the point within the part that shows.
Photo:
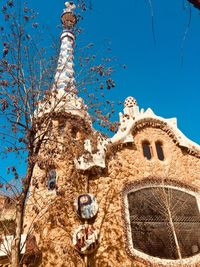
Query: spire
(64,77)
(64,93)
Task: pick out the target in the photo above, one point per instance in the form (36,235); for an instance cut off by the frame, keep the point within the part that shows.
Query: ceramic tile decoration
(85,239)
(86,206)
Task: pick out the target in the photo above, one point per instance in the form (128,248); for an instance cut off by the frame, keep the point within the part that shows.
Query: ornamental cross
(69,6)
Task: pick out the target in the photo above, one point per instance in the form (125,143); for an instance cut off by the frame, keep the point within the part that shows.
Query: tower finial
(68,17)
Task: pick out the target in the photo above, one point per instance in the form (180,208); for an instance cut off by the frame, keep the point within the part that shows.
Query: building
(130,200)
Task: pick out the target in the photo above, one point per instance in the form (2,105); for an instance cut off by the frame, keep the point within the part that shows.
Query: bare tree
(24,81)
(29,99)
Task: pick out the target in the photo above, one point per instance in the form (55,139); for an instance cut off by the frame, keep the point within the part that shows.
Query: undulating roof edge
(134,119)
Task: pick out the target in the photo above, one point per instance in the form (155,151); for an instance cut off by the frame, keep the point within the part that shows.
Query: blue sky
(155,75)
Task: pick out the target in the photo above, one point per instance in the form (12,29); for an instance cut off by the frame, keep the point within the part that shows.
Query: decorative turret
(131,107)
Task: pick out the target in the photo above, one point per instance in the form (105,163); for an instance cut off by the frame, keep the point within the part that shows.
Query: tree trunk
(15,249)
(20,207)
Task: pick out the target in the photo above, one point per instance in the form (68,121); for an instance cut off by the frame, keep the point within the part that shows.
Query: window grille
(164,222)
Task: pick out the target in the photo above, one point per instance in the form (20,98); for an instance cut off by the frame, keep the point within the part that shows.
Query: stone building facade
(131,200)
(147,196)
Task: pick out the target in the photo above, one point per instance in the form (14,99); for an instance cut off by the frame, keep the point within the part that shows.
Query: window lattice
(165,222)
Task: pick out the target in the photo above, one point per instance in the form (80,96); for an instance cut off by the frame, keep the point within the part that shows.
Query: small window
(159,150)
(61,126)
(74,132)
(51,180)
(146,150)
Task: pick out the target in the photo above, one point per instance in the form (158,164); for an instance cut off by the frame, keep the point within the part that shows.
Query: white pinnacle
(64,77)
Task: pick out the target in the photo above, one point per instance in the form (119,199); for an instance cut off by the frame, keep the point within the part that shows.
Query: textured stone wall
(129,165)
(54,210)
(50,214)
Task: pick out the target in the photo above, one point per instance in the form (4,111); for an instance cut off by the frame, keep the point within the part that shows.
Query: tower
(70,153)
(130,200)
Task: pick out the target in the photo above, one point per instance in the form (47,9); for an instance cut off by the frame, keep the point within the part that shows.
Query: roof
(133,119)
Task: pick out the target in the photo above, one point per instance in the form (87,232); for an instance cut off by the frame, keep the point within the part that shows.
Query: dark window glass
(74,132)
(146,150)
(159,149)
(165,222)
(51,180)
(61,126)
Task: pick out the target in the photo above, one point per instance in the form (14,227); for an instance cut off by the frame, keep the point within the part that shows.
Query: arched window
(146,150)
(163,223)
(51,179)
(159,150)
